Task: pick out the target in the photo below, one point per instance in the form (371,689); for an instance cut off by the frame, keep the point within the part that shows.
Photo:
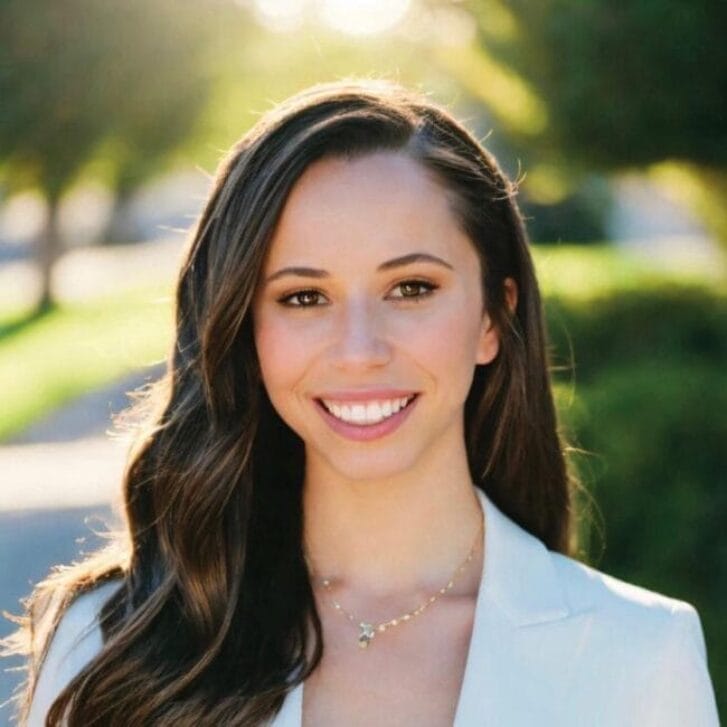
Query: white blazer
(555,643)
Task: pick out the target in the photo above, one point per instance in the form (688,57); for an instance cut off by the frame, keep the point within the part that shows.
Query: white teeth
(358,413)
(368,412)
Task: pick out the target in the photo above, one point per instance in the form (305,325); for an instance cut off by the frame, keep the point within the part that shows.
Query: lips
(365,395)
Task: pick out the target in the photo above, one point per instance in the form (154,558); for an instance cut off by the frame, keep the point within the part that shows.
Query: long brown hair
(211,623)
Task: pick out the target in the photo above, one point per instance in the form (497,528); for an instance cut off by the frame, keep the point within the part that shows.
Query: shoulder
(647,641)
(618,602)
(76,641)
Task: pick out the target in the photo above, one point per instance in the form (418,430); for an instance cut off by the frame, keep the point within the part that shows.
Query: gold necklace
(367,630)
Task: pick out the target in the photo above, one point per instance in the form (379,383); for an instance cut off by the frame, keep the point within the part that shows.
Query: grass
(46,362)
(588,271)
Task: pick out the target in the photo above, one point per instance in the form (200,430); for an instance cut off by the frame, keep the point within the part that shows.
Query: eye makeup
(427,287)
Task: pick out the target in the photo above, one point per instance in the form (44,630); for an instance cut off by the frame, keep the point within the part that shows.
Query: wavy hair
(211,621)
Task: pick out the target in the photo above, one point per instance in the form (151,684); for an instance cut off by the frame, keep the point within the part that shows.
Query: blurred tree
(625,85)
(166,82)
(50,118)
(73,74)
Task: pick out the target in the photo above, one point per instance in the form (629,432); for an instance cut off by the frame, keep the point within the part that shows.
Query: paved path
(59,486)
(68,460)
(83,273)
(31,541)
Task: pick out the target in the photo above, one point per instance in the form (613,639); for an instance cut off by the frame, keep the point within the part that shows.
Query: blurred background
(113,116)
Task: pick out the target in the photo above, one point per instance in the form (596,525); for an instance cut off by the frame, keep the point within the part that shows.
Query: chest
(410,676)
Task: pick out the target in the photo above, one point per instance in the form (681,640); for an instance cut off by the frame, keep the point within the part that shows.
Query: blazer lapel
(516,670)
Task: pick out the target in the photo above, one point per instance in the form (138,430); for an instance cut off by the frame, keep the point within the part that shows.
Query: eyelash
(430,288)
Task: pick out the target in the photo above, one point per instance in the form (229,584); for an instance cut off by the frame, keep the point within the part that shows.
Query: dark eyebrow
(397,262)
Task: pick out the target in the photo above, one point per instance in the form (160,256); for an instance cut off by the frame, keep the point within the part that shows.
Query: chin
(370,467)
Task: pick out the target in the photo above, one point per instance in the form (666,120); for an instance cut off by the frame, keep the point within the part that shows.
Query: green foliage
(574,273)
(659,326)
(580,217)
(76,73)
(660,433)
(625,83)
(49,122)
(646,402)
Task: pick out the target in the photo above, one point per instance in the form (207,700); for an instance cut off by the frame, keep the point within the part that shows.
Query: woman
(352,505)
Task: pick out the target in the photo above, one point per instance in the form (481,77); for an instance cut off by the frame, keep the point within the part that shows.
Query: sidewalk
(61,475)
(68,460)
(60,484)
(86,272)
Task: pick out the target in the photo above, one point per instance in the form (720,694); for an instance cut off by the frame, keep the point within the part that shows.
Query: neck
(388,538)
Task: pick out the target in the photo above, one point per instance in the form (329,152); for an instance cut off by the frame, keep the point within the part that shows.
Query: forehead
(373,206)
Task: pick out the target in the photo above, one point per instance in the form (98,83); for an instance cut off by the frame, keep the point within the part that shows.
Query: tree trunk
(48,251)
(122,227)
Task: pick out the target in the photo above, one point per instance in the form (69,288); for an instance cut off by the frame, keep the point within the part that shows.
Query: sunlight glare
(280,15)
(363,17)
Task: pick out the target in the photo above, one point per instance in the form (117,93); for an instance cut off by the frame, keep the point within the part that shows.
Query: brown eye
(411,290)
(304,298)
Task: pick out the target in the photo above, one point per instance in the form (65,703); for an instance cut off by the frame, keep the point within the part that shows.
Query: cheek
(446,344)
(283,349)
(273,351)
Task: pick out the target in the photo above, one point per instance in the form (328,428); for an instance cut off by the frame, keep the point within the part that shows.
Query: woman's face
(384,304)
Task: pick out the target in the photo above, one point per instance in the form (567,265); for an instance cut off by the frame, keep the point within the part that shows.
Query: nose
(360,341)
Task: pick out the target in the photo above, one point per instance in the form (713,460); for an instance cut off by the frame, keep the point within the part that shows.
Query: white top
(554,642)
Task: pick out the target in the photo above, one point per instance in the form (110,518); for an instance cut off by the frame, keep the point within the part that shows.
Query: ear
(489,343)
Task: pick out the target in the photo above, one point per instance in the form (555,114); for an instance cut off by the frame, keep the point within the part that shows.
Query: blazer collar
(509,676)
(518,573)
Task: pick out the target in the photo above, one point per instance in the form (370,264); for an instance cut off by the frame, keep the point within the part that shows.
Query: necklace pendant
(365,635)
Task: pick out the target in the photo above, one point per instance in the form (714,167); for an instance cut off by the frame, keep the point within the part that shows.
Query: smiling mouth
(363,415)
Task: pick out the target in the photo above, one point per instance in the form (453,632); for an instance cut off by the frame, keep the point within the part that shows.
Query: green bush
(661,324)
(647,403)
